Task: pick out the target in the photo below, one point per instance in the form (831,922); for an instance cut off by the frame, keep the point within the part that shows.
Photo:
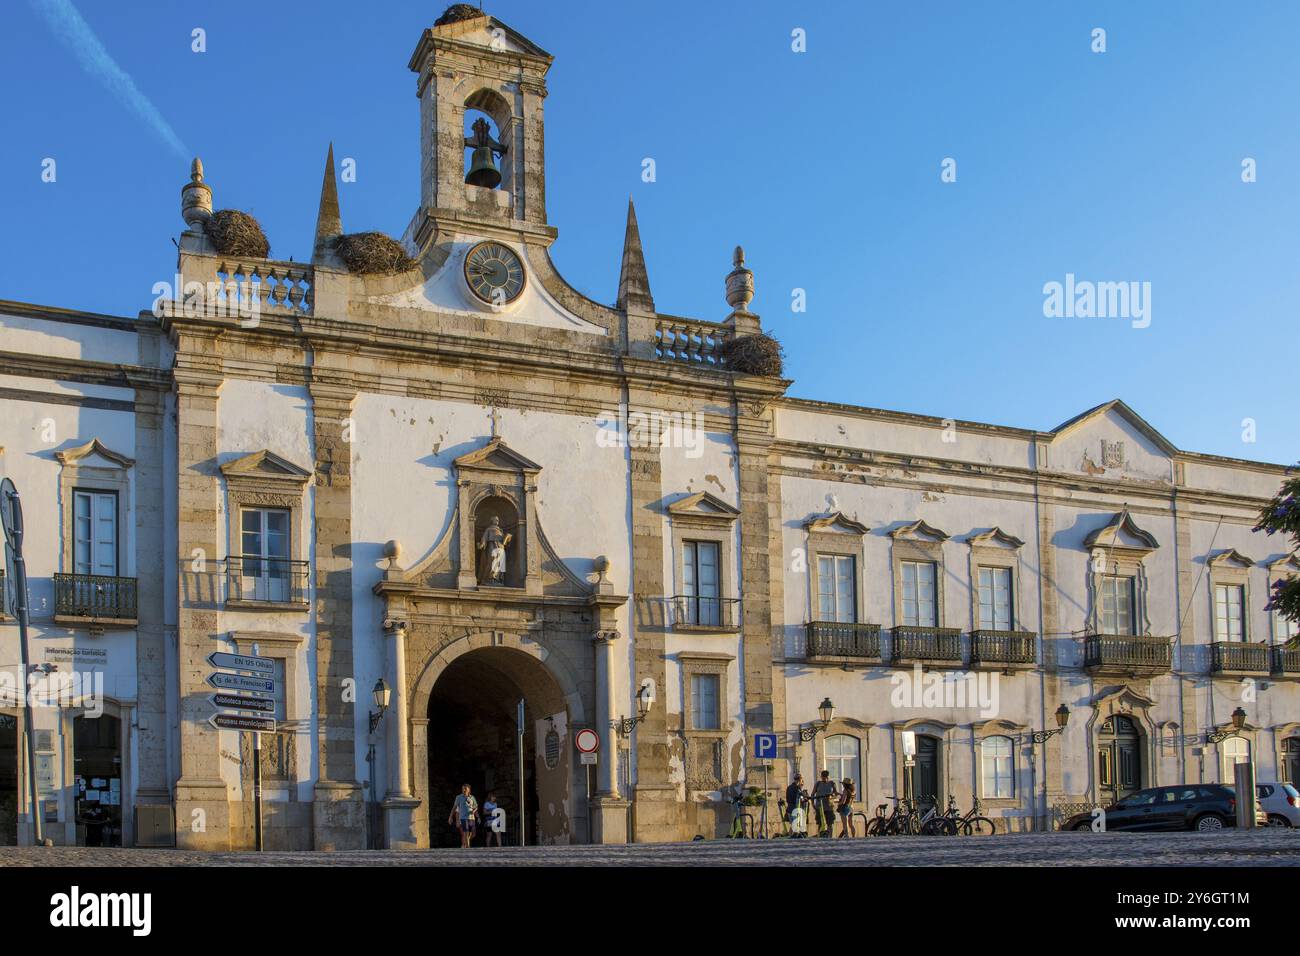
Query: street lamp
(825,710)
(1062,715)
(382,695)
(1238,721)
(644,698)
(1062,718)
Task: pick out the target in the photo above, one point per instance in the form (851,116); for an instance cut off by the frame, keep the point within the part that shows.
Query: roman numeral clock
(494,273)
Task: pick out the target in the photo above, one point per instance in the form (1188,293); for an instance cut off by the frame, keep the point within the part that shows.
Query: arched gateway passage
(471,738)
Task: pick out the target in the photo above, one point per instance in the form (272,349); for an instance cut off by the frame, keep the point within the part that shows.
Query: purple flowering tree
(1282,515)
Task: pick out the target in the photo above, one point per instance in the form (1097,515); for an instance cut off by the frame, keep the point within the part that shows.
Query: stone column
(399,804)
(203,814)
(338,806)
(608,808)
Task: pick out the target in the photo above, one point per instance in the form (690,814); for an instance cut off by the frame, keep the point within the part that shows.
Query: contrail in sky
(76,33)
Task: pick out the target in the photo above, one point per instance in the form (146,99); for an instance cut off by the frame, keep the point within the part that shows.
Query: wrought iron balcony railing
(1234,657)
(95,598)
(691,611)
(266,581)
(1127,654)
(836,640)
(926,644)
(1286,661)
(1002,648)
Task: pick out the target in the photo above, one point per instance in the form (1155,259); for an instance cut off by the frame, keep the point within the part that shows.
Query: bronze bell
(483,169)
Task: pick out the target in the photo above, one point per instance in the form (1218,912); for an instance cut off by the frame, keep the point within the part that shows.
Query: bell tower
(470,61)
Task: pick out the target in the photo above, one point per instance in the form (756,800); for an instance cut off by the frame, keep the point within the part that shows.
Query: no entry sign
(587,741)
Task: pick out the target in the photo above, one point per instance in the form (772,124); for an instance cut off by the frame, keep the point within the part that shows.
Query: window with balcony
(1117,594)
(837,598)
(94,533)
(995,599)
(701,584)
(1229,612)
(918,593)
(265,571)
(996,768)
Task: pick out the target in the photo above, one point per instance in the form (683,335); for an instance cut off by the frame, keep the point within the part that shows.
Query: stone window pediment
(94,454)
(918,531)
(835,522)
(497,456)
(1122,534)
(265,465)
(703,508)
(1230,560)
(995,539)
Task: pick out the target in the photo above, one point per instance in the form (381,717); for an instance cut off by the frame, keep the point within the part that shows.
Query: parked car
(1281,803)
(1203,806)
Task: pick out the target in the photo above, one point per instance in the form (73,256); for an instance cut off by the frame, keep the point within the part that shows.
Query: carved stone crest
(1112,454)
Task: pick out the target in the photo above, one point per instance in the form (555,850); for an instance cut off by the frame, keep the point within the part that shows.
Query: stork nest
(754,355)
(236,233)
(372,253)
(457,12)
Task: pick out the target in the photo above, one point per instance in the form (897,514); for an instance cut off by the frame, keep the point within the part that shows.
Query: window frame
(1009,757)
(94,495)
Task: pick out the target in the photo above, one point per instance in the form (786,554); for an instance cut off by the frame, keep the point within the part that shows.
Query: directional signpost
(256,698)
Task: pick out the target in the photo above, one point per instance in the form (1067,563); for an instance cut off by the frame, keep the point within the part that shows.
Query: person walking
(464,814)
(823,793)
(845,808)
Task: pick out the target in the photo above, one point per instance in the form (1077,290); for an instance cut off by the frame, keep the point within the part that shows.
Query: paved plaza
(1268,847)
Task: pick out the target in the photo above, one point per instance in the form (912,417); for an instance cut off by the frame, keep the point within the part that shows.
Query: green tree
(1282,515)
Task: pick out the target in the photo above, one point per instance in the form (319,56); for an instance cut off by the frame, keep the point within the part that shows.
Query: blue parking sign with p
(764,746)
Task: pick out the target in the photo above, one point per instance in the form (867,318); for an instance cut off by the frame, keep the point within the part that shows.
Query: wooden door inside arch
(1119,758)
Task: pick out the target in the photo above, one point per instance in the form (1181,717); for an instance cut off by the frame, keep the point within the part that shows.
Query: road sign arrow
(243,662)
(240,682)
(239,722)
(235,702)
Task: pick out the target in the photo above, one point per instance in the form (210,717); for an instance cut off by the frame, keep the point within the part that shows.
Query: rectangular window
(94,534)
(995,761)
(919,607)
(995,599)
(706,714)
(701,582)
(1283,628)
(1229,619)
(264,546)
(1117,604)
(837,588)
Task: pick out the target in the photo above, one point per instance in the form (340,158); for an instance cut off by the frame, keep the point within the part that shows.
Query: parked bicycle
(972,824)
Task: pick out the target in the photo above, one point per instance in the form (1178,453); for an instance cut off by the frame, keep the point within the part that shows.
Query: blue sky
(922,296)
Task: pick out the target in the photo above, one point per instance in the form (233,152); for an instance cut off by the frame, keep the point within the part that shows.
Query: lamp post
(381,695)
(1062,715)
(825,711)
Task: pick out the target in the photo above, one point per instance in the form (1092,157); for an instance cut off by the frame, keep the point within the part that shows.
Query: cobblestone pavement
(1268,847)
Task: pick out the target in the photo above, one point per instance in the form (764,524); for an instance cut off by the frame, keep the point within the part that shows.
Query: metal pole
(519,751)
(765,769)
(257,779)
(14,512)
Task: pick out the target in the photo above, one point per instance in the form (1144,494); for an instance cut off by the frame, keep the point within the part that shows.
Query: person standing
(795,803)
(823,793)
(464,814)
(845,808)
(489,811)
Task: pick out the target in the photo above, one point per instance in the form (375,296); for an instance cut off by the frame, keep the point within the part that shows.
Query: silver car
(1281,802)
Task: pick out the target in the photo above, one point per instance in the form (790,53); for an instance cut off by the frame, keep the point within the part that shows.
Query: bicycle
(929,822)
(893,824)
(742,821)
(972,824)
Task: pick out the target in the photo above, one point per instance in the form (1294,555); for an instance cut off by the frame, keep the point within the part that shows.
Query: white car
(1281,802)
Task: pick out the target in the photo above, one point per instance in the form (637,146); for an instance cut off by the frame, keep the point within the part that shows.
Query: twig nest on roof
(754,355)
(236,233)
(372,253)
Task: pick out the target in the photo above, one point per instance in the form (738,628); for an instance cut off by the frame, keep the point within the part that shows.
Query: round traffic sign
(587,741)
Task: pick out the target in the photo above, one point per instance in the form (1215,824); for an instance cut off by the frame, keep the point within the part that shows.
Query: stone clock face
(494,273)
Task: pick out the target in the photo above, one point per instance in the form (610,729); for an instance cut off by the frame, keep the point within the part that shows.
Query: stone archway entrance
(470,737)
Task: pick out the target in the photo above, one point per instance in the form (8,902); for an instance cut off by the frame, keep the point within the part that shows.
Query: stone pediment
(918,531)
(995,538)
(484,30)
(94,454)
(1231,558)
(835,521)
(1122,533)
(703,506)
(1286,564)
(496,455)
(265,464)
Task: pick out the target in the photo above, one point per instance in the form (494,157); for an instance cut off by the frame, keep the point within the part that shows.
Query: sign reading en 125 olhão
(264,725)
(242,662)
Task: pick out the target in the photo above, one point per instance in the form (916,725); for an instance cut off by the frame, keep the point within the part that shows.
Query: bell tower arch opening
(472,738)
(488,159)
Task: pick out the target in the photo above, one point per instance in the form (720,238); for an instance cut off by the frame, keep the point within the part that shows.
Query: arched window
(1235,750)
(843,760)
(996,768)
